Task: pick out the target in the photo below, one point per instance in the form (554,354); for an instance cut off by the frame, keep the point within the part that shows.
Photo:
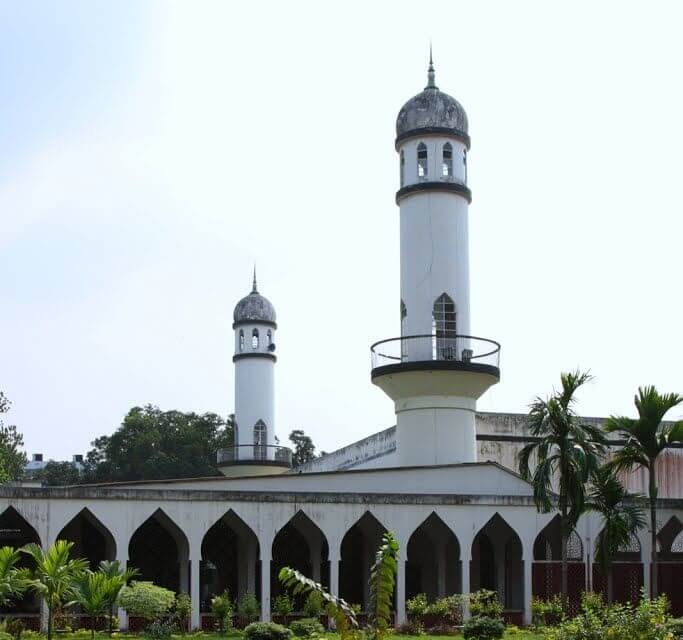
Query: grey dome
(254,308)
(431,110)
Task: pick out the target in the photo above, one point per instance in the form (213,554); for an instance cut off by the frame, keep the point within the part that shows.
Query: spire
(430,72)
(254,289)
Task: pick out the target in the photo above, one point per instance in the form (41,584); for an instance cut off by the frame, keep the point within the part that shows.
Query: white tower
(255,451)
(437,369)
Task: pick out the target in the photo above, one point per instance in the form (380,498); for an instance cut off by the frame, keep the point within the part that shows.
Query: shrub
(416,607)
(146,600)
(675,628)
(448,608)
(313,607)
(248,606)
(15,627)
(159,630)
(548,612)
(413,627)
(483,628)
(182,611)
(306,627)
(485,604)
(283,605)
(266,631)
(221,607)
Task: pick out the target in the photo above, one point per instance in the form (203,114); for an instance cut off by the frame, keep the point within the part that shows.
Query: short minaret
(255,451)
(437,369)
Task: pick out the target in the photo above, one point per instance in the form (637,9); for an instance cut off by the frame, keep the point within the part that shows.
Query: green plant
(306,627)
(567,452)
(15,627)
(54,575)
(675,627)
(159,630)
(182,610)
(13,581)
(313,606)
(412,627)
(221,607)
(342,612)
(266,631)
(483,628)
(248,606)
(485,604)
(646,437)
(546,612)
(382,578)
(92,594)
(146,600)
(283,605)
(416,606)
(118,578)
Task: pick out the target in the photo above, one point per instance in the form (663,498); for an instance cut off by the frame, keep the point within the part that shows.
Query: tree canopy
(304,449)
(12,457)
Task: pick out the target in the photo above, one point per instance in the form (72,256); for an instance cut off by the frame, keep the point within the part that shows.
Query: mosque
(443,479)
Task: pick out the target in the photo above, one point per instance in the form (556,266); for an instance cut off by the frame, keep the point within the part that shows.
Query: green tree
(622,515)
(54,576)
(58,474)
(12,457)
(567,452)
(382,579)
(304,449)
(153,444)
(646,437)
(13,580)
(118,578)
(91,592)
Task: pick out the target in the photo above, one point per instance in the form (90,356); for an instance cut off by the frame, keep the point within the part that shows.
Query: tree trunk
(564,568)
(49,622)
(654,586)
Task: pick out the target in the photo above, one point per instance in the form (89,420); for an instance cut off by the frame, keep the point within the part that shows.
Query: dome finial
(254,289)
(430,72)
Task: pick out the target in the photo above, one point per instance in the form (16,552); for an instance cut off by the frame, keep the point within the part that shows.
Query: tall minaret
(436,370)
(255,451)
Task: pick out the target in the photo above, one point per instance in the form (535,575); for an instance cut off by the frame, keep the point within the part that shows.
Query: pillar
(195,592)
(465,563)
(122,557)
(266,558)
(401,583)
(334,557)
(527,568)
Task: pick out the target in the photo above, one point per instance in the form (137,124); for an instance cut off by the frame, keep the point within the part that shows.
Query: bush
(146,600)
(182,611)
(313,607)
(283,605)
(266,631)
(449,609)
(413,627)
(306,627)
(159,630)
(15,627)
(483,628)
(248,606)
(485,604)
(416,607)
(675,628)
(545,613)
(221,607)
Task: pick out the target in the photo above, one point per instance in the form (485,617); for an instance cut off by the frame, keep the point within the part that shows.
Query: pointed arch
(497,562)
(230,559)
(669,538)
(447,161)
(92,539)
(358,548)
(433,565)
(422,166)
(302,545)
(548,544)
(159,549)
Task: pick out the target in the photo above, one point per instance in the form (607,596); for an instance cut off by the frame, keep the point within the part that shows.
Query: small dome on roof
(431,109)
(254,308)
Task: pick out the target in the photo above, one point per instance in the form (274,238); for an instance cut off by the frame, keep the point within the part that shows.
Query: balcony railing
(255,454)
(461,351)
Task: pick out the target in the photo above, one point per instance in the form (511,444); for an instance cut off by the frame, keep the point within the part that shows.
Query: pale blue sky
(152,151)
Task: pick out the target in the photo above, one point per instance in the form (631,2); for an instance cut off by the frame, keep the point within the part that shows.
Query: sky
(152,152)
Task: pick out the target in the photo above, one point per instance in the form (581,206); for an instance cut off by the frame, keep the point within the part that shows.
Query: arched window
(260,440)
(270,337)
(241,340)
(421,161)
(447,161)
(254,339)
(464,162)
(403,164)
(443,319)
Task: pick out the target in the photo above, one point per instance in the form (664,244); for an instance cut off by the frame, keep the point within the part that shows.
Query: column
(195,590)
(465,563)
(334,572)
(401,583)
(527,567)
(122,557)
(266,557)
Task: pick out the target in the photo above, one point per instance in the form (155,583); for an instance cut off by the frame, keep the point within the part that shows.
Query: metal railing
(430,347)
(254,453)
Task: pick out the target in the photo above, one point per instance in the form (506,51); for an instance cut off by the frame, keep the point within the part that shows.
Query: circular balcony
(429,352)
(260,455)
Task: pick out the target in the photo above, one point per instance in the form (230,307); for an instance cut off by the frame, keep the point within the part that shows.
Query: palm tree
(646,437)
(568,451)
(13,580)
(92,593)
(54,575)
(118,578)
(622,515)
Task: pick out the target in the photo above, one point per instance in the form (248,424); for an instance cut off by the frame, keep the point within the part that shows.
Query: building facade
(442,479)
